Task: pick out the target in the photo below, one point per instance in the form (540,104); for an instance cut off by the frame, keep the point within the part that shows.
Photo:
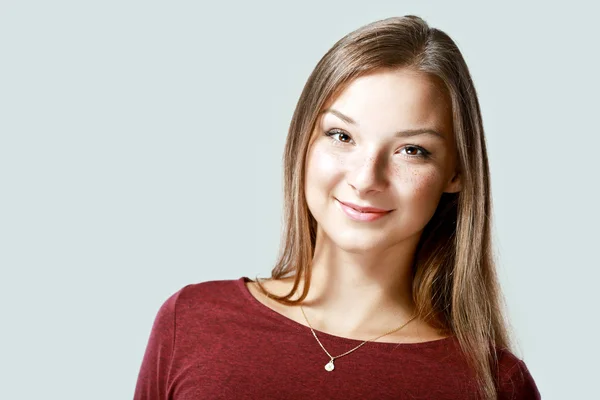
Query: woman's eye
(413,151)
(338,136)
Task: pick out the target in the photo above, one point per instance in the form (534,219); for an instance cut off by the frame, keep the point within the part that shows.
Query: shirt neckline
(241,284)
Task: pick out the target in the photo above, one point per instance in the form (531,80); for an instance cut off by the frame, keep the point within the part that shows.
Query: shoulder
(199,303)
(515,381)
(209,289)
(202,294)
(196,296)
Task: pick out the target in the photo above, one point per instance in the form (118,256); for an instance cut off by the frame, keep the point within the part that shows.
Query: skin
(361,285)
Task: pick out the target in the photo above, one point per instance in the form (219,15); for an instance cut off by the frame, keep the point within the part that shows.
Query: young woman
(385,287)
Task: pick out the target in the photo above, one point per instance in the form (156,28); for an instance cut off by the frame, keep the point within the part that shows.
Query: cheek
(322,168)
(422,183)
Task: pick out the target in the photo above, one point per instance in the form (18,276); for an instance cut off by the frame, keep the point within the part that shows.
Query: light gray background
(141,147)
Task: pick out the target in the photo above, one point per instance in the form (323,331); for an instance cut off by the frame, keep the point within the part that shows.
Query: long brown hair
(454,275)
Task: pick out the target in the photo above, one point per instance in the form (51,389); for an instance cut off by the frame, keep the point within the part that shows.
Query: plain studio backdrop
(141,146)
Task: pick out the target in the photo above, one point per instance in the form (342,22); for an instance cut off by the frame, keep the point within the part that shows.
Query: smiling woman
(385,286)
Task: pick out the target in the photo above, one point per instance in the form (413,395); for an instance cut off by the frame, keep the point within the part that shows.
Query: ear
(455,184)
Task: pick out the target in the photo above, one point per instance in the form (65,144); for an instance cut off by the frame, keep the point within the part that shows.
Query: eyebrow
(403,133)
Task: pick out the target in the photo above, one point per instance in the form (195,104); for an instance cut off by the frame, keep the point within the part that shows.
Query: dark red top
(214,340)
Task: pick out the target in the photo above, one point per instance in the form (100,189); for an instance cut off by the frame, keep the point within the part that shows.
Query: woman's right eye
(342,137)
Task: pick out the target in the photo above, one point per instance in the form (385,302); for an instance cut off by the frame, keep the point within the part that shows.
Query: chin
(359,244)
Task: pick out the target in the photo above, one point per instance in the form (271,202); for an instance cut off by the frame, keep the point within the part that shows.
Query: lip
(366,216)
(364,209)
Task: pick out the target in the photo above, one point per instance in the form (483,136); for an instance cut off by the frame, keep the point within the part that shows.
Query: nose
(368,176)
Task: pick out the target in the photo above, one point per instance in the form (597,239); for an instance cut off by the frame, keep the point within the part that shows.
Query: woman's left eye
(413,149)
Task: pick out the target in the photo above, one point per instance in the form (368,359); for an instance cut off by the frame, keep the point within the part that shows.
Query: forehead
(395,99)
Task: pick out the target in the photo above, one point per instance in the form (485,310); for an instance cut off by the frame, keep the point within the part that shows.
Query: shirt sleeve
(519,384)
(153,378)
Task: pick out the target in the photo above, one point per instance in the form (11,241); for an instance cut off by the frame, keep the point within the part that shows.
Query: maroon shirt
(214,340)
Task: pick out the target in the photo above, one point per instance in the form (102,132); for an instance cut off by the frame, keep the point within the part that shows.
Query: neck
(358,294)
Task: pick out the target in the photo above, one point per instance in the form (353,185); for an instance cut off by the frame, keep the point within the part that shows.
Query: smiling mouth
(362,216)
(364,210)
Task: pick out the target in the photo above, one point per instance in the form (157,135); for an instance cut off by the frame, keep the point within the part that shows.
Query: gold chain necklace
(329,366)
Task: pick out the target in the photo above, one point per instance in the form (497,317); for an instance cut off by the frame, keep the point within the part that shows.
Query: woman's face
(368,149)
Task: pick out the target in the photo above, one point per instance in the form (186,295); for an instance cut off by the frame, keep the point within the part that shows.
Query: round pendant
(329,366)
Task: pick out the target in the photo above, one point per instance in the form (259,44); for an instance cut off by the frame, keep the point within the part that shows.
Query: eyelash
(424,153)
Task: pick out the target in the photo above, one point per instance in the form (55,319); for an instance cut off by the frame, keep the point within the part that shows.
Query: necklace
(329,366)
